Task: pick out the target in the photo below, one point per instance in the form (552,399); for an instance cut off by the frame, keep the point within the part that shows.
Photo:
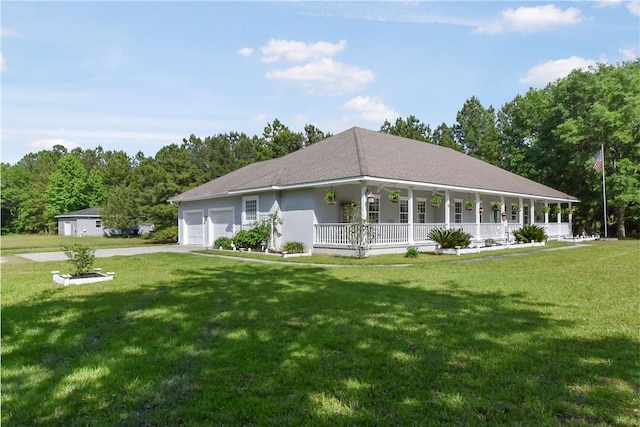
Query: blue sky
(137,76)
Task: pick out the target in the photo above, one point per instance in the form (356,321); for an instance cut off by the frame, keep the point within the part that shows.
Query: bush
(293,247)
(449,239)
(166,234)
(223,242)
(412,252)
(530,232)
(81,258)
(254,237)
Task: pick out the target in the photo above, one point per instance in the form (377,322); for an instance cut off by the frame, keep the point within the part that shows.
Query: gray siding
(298,217)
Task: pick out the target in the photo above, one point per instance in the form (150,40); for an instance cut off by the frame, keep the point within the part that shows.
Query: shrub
(293,247)
(81,258)
(530,232)
(254,237)
(449,239)
(412,252)
(223,242)
(166,234)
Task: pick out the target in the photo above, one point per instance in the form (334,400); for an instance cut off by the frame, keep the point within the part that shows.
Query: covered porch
(410,219)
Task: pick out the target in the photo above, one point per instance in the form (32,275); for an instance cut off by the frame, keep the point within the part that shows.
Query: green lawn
(24,243)
(551,338)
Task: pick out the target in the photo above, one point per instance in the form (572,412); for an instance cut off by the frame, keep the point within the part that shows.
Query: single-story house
(85,222)
(88,222)
(363,167)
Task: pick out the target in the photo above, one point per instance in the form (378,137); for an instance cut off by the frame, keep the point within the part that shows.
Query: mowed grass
(25,243)
(551,338)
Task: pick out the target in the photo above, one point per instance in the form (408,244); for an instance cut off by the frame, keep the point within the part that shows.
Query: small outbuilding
(85,222)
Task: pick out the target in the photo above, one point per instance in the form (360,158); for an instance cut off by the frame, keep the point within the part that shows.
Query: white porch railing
(398,234)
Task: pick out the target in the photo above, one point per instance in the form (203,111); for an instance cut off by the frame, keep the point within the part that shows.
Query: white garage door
(194,229)
(222,224)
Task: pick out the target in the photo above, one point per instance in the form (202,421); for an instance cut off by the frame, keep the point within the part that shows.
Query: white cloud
(296,51)
(49,143)
(550,71)
(3,65)
(634,7)
(334,76)
(531,19)
(609,3)
(628,54)
(259,118)
(371,109)
(245,51)
(5,32)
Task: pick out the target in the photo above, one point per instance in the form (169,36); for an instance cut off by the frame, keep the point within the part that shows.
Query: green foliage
(223,242)
(449,239)
(81,257)
(253,237)
(410,127)
(121,210)
(360,233)
(436,200)
(412,252)
(330,196)
(293,247)
(530,232)
(394,196)
(166,234)
(71,188)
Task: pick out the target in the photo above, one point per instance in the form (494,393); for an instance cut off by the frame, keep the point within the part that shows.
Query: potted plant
(330,197)
(436,200)
(394,196)
(496,206)
(468,204)
(516,208)
(545,209)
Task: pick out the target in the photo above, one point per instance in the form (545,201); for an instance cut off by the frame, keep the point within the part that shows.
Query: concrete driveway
(104,253)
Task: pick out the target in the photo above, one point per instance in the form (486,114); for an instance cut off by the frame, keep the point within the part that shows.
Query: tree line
(550,135)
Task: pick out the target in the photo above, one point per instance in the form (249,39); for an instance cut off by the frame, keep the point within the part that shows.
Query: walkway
(104,253)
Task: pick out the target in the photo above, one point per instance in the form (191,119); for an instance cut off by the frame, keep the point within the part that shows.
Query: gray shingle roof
(83,212)
(357,153)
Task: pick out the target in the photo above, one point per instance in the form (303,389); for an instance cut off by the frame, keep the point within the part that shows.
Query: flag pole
(604,193)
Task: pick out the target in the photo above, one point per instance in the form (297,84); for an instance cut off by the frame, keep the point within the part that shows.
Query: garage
(194,228)
(221,224)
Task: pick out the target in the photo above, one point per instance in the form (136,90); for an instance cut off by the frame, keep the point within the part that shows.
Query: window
(457,211)
(514,213)
(525,214)
(421,206)
(373,210)
(98,224)
(404,211)
(250,211)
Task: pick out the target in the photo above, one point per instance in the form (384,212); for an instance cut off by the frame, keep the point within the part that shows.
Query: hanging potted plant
(394,196)
(496,206)
(436,200)
(330,197)
(468,204)
(545,209)
(516,208)
(481,207)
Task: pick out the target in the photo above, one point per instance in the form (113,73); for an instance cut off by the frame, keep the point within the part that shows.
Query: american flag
(597,161)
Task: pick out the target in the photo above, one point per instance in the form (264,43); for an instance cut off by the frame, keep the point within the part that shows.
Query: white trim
(243,217)
(182,232)
(416,184)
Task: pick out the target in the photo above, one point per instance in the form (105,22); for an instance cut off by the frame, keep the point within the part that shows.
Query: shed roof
(359,153)
(89,212)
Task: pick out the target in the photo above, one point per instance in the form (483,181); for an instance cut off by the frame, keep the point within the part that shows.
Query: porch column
(559,215)
(521,213)
(546,215)
(447,210)
(477,216)
(363,200)
(410,219)
(570,219)
(532,212)
(503,212)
